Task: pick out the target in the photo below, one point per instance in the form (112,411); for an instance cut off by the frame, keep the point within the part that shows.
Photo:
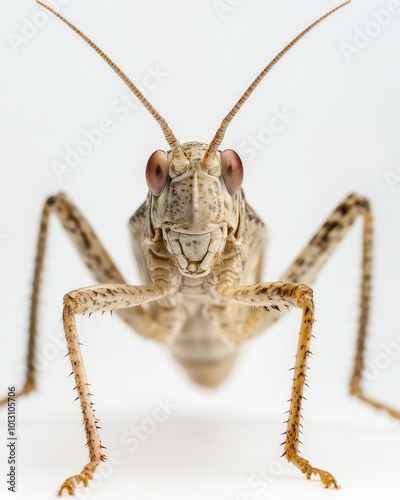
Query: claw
(306,468)
(83,478)
(329,481)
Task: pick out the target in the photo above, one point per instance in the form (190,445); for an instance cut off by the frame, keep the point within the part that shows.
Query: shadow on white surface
(224,458)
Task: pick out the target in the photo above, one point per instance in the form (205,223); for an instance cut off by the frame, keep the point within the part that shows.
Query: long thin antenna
(209,156)
(180,161)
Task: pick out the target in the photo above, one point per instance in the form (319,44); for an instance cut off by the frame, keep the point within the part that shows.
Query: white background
(343,138)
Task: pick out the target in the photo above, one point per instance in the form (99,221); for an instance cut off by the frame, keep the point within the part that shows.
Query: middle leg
(305,269)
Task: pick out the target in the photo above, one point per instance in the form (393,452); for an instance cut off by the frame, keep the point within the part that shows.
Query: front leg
(98,262)
(305,269)
(98,298)
(276,296)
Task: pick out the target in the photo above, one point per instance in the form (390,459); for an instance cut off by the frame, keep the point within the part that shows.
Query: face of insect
(195,208)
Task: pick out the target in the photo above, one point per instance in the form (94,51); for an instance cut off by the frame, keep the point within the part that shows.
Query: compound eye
(232,170)
(157,172)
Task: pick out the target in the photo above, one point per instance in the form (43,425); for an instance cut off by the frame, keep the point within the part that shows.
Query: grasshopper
(199,248)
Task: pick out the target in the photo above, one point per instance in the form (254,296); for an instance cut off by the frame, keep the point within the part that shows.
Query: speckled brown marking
(301,296)
(199,248)
(99,298)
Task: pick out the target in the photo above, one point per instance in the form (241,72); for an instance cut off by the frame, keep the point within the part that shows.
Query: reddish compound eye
(157,171)
(232,170)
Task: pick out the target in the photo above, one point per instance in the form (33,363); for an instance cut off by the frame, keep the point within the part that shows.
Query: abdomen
(206,355)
